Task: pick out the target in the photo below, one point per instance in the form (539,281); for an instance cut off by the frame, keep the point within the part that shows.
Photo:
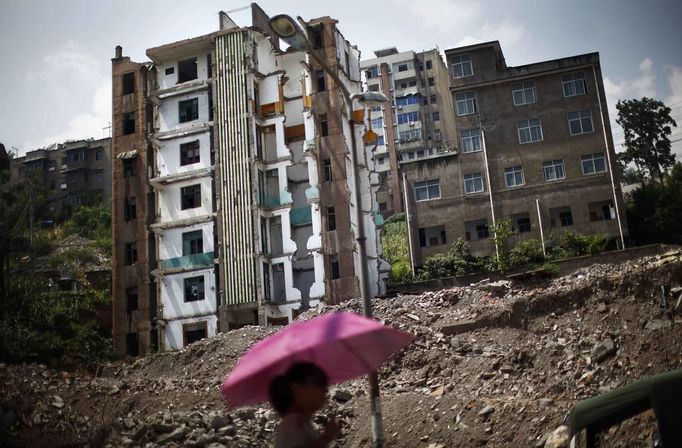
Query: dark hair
(281,394)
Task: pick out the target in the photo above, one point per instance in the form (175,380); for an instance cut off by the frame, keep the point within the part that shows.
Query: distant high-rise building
(235,156)
(419,120)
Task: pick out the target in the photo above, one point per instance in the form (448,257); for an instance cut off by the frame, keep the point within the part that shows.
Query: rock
(219,421)
(58,402)
(603,350)
(162,428)
(498,287)
(246,414)
(558,438)
(486,410)
(658,324)
(413,317)
(175,436)
(459,327)
(601,308)
(438,391)
(341,395)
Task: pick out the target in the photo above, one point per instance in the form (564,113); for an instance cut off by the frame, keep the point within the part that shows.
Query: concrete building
(242,158)
(70,170)
(419,122)
(535,146)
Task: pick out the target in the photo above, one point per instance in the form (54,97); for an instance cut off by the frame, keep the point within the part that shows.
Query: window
(427,190)
(433,99)
(523,225)
(194,332)
(408,117)
(128,122)
(431,82)
(170,70)
(523,92)
(98,155)
(601,211)
(435,116)
(189,110)
(470,140)
(372,72)
(130,253)
(407,100)
(377,123)
(317,37)
(461,66)
(514,176)
(566,218)
(130,210)
(411,135)
(432,236)
(189,153)
(131,299)
(429,65)
(554,170)
(530,131)
(580,122)
(380,140)
(319,77)
(475,230)
(324,125)
(436,134)
(473,183)
(383,206)
(190,197)
(466,103)
(574,83)
(192,243)
(194,288)
(187,70)
(482,231)
(327,168)
(381,160)
(128,83)
(128,167)
(402,67)
(99,176)
(334,268)
(593,163)
(412,83)
(331,219)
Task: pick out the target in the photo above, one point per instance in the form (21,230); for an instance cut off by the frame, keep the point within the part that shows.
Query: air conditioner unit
(412,123)
(400,107)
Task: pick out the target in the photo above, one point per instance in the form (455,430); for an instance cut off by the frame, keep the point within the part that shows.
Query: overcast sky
(56,55)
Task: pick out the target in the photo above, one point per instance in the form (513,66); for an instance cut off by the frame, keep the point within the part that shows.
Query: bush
(401,273)
(456,261)
(577,244)
(527,252)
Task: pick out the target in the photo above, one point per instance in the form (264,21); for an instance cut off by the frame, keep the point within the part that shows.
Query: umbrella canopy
(344,345)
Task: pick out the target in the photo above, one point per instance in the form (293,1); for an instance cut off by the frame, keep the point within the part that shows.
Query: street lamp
(288,30)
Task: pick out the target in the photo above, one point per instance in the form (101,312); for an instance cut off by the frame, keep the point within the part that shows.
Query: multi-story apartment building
(70,170)
(535,146)
(418,122)
(241,177)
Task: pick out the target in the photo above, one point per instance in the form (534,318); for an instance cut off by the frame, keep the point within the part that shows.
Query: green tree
(499,233)
(647,125)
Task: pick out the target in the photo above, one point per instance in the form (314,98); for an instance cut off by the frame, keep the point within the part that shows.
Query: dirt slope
(494,364)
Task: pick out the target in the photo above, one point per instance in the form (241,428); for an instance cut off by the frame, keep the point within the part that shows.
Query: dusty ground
(494,364)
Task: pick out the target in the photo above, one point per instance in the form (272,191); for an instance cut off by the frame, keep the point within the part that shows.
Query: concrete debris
(559,438)
(494,364)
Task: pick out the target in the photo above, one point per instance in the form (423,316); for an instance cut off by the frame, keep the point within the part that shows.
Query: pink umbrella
(345,345)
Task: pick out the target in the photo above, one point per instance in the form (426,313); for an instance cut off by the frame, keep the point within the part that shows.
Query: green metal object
(188,261)
(301,216)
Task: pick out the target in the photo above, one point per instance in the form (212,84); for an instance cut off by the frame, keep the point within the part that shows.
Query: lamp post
(288,30)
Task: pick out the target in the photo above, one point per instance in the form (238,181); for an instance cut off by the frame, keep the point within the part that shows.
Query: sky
(56,54)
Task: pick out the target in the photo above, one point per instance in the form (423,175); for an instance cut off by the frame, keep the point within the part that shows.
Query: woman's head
(303,388)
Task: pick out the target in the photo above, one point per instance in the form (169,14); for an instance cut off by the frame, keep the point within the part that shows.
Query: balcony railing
(188,261)
(274,201)
(301,216)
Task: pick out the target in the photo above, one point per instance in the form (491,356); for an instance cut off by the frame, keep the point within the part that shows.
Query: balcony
(301,216)
(188,262)
(274,201)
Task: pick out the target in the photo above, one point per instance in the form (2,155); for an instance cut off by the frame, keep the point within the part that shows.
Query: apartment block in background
(418,122)
(534,141)
(71,170)
(248,166)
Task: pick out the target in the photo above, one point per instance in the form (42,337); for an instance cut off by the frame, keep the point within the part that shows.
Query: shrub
(456,261)
(577,244)
(401,273)
(526,252)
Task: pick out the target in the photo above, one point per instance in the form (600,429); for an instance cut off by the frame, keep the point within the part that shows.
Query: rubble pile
(494,364)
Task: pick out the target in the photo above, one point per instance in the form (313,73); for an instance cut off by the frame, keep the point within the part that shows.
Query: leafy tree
(500,232)
(395,240)
(647,125)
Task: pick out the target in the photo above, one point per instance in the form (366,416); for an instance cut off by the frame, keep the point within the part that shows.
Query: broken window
(128,123)
(318,41)
(476,230)
(429,65)
(566,218)
(331,219)
(128,83)
(189,153)
(327,166)
(319,77)
(187,70)
(334,268)
(128,167)
(194,332)
(130,253)
(170,70)
(130,209)
(131,299)
(188,110)
(324,125)
(192,243)
(432,82)
(432,236)
(601,211)
(523,223)
(190,197)
(194,288)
